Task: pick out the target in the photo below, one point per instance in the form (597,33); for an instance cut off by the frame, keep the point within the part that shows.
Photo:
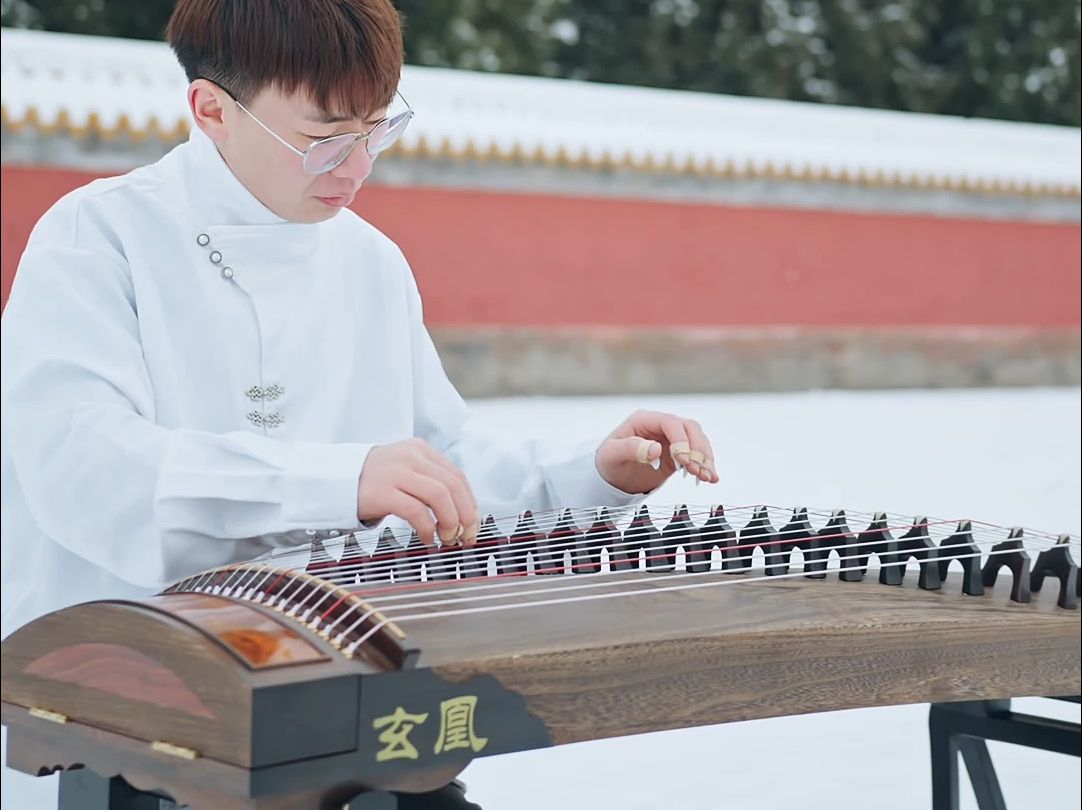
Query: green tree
(135,19)
(505,36)
(1012,59)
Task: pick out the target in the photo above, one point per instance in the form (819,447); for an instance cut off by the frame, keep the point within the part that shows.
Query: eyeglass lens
(327,155)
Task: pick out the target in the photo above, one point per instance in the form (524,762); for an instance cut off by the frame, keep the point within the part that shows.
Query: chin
(318,213)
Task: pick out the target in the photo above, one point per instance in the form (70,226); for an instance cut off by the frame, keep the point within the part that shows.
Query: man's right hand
(410,480)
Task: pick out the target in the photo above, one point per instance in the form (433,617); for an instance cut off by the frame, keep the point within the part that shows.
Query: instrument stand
(83,789)
(963,728)
(953,728)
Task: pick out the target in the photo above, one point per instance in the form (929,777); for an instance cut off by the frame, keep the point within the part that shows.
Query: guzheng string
(584,519)
(339,631)
(352,619)
(382,595)
(588,581)
(384,563)
(383,566)
(601,536)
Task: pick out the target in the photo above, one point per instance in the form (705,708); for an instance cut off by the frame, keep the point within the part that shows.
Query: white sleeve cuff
(320,488)
(577,484)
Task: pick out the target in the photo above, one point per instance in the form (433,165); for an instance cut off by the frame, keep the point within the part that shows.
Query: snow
(462,111)
(1005,456)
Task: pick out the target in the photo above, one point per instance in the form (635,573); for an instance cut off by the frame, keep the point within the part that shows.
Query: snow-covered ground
(1004,456)
(1009,457)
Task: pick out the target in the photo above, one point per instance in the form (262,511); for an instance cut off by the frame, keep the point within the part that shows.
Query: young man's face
(274,173)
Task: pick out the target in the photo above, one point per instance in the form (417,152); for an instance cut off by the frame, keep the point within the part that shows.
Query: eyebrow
(328,118)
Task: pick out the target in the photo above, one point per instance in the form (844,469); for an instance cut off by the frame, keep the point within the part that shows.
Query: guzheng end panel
(138,670)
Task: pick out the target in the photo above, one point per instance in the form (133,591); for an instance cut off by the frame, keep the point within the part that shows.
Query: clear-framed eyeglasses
(327,154)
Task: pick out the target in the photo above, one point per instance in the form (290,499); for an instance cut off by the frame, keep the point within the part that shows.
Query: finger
(417,515)
(461,491)
(437,497)
(465,503)
(701,453)
(647,451)
(630,450)
(672,428)
(679,447)
(696,465)
(683,436)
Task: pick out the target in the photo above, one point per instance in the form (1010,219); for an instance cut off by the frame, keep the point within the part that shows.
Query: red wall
(498,258)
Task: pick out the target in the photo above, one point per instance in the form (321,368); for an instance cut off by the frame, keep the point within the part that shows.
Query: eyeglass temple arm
(270,131)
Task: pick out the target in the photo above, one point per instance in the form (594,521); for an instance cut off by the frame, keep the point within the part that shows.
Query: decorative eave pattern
(95,87)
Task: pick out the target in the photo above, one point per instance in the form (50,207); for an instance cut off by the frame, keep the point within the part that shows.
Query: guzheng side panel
(256,639)
(190,671)
(696,657)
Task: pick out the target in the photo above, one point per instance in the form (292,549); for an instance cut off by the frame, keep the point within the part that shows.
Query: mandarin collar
(218,197)
(241,229)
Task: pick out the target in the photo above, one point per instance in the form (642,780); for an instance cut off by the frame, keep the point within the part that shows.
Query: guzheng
(369,661)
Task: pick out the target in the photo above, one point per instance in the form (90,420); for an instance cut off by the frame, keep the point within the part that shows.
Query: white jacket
(188,380)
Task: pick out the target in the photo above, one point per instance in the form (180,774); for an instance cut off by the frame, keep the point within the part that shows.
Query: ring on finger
(452,539)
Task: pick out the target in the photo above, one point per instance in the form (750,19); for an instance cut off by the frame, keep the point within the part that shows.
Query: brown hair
(346,53)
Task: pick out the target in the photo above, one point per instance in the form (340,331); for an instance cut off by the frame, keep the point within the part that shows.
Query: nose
(357,166)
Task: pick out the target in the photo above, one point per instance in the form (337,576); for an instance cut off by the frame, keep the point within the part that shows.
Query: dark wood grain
(39,748)
(158,676)
(256,639)
(737,652)
(588,670)
(119,670)
(203,784)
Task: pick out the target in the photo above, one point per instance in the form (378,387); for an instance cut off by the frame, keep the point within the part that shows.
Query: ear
(211,108)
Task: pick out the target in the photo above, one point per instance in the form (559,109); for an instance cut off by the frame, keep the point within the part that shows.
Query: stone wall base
(504,361)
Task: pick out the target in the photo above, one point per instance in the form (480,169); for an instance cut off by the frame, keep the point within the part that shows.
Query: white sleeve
(506,476)
(100,478)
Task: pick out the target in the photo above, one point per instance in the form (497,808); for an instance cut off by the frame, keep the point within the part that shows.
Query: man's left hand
(648,439)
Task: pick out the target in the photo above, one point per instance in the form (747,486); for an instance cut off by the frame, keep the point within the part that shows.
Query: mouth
(337,202)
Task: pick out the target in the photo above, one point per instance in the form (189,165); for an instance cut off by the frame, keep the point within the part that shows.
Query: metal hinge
(174,750)
(46,714)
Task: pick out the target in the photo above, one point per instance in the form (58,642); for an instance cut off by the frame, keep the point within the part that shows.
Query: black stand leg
(372,800)
(449,797)
(83,789)
(963,727)
(944,762)
(982,774)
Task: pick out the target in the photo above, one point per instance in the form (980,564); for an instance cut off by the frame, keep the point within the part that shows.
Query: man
(211,356)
